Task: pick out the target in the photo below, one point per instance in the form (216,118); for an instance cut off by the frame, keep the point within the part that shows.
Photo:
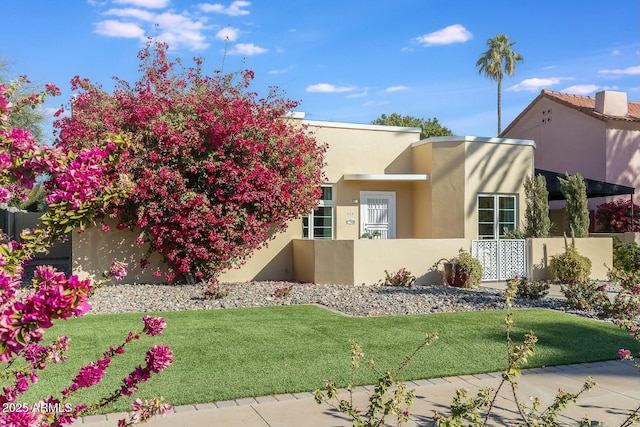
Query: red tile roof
(584,104)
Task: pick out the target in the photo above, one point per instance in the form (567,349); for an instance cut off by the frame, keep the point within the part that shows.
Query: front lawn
(234,353)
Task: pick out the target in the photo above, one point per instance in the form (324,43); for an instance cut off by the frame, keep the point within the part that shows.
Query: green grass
(233,353)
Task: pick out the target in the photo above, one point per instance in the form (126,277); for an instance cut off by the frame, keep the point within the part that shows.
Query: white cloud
(358,95)
(247,49)
(395,89)
(375,103)
(236,8)
(143,15)
(329,88)
(180,30)
(177,30)
(629,71)
(406,49)
(582,89)
(616,52)
(111,28)
(535,84)
(228,33)
(281,71)
(452,34)
(149,4)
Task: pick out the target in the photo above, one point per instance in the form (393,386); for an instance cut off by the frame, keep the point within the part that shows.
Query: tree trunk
(499,105)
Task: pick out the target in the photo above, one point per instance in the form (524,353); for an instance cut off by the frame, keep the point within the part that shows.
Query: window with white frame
(497,213)
(319,223)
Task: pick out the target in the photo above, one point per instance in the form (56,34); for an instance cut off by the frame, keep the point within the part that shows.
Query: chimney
(611,103)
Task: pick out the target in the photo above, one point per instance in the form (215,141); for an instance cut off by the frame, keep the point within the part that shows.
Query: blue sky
(348,61)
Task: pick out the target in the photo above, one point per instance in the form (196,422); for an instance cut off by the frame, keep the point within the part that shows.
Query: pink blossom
(624,354)
(118,270)
(91,374)
(153,325)
(21,419)
(158,358)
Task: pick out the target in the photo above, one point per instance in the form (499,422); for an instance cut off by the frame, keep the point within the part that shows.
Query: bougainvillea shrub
(216,169)
(615,217)
(80,185)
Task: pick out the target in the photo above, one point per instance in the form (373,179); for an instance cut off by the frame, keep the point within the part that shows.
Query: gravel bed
(350,300)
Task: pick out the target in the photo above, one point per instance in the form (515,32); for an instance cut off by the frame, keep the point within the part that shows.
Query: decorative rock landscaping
(355,301)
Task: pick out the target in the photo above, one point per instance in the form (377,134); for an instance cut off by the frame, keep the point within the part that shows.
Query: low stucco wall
(363,262)
(93,251)
(625,237)
(273,262)
(598,250)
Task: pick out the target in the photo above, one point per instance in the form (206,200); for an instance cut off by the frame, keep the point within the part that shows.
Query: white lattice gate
(501,259)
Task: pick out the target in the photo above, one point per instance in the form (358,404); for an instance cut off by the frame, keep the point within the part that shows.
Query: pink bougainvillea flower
(118,270)
(153,325)
(624,354)
(158,358)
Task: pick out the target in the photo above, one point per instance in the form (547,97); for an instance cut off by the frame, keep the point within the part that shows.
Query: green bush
(533,290)
(570,266)
(626,255)
(470,266)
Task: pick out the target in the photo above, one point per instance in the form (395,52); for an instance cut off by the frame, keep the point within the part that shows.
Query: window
(319,223)
(496,214)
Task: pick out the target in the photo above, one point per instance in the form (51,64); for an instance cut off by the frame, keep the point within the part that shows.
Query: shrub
(626,255)
(629,280)
(281,292)
(79,185)
(470,266)
(401,278)
(625,306)
(615,217)
(536,214)
(570,265)
(534,290)
(574,191)
(217,171)
(585,296)
(214,291)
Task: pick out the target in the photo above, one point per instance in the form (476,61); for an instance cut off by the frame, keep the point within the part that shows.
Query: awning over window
(594,188)
(387,177)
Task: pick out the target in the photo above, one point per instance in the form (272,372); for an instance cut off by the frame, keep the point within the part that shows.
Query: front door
(378,214)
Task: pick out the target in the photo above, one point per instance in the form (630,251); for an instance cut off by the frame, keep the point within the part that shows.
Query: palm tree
(495,62)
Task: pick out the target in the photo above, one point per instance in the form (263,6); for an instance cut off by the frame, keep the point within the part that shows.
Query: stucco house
(598,137)
(390,201)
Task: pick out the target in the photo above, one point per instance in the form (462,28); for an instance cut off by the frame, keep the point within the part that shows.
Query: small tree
(574,191)
(429,127)
(536,214)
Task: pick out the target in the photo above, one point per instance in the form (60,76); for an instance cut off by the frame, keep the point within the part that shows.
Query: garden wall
(363,262)
(598,250)
(349,262)
(93,250)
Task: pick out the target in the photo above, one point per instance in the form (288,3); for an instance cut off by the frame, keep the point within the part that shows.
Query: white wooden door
(378,214)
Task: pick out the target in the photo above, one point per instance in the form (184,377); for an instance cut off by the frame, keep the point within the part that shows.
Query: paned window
(319,223)
(496,214)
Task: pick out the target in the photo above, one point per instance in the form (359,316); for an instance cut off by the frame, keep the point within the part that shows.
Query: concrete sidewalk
(617,393)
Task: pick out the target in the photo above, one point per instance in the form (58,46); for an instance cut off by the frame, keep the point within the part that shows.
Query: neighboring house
(390,201)
(596,137)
